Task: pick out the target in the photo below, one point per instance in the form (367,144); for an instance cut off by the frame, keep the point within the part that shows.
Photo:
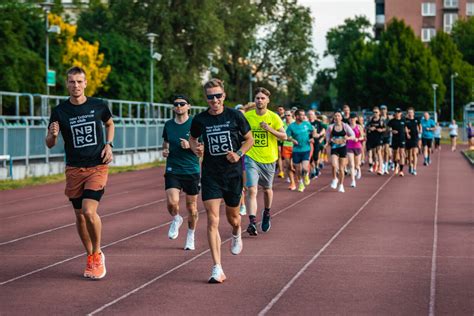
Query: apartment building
(426,17)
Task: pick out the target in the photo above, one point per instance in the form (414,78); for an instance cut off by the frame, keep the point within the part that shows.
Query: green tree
(463,36)
(450,61)
(322,90)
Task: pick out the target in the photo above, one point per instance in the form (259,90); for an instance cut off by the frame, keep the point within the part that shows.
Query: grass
(470,154)
(33,181)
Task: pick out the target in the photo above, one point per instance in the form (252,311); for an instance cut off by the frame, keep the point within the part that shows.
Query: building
(425,17)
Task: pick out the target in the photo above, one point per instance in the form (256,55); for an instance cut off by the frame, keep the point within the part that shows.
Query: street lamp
(251,80)
(211,68)
(46,6)
(151,37)
(435,86)
(454,75)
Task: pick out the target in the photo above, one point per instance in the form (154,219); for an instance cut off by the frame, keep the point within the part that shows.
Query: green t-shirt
(265,146)
(179,161)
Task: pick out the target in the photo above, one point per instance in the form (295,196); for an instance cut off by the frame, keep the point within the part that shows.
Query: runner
(470,136)
(453,134)
(287,153)
(361,121)
(281,171)
(427,134)
(320,129)
(243,208)
(79,119)
(346,113)
(301,133)
(182,169)
(375,130)
(386,150)
(226,135)
(397,128)
(437,136)
(412,129)
(267,128)
(354,149)
(337,136)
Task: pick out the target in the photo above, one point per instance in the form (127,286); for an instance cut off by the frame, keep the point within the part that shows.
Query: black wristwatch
(239,153)
(110,143)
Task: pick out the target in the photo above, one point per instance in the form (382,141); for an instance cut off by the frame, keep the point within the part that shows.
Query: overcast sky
(330,13)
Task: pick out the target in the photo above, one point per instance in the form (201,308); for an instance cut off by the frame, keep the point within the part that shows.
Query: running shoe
(425,162)
(371,168)
(292,187)
(89,266)
(397,170)
(252,229)
(358,174)
(317,172)
(401,174)
(174,227)
(301,187)
(288,180)
(353,184)
(281,175)
(98,270)
(236,244)
(217,275)
(341,188)
(189,240)
(413,172)
(334,184)
(266,222)
(243,209)
(410,170)
(306,180)
(321,165)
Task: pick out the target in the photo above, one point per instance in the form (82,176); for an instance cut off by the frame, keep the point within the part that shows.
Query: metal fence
(138,125)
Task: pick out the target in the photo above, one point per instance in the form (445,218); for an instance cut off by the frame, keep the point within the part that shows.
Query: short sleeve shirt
(427,124)
(221,133)
(265,144)
(179,161)
(399,126)
(82,130)
(412,125)
(302,134)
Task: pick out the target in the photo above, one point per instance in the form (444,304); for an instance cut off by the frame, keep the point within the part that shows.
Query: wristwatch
(110,143)
(239,153)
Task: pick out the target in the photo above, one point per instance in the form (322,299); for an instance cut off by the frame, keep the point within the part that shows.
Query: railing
(138,125)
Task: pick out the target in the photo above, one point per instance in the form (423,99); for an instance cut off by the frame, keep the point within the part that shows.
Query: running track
(392,246)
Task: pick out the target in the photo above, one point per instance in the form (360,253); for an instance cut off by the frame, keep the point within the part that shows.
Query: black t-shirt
(318,126)
(377,124)
(412,125)
(221,133)
(399,126)
(82,130)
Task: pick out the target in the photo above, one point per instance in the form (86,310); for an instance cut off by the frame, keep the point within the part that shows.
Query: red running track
(391,246)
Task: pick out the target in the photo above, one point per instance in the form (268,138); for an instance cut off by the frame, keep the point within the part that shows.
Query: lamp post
(251,80)
(454,75)
(211,68)
(151,37)
(435,86)
(46,6)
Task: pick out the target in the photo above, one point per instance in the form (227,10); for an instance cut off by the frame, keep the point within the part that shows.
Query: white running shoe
(341,188)
(236,244)
(174,227)
(359,174)
(189,240)
(353,184)
(288,180)
(217,274)
(243,209)
(334,184)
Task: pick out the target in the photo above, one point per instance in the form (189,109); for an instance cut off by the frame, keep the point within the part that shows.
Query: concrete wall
(44,169)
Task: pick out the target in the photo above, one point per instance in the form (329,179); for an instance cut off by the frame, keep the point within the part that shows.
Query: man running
(397,128)
(320,129)
(227,136)
(346,113)
(267,129)
(79,119)
(412,129)
(287,153)
(375,130)
(428,126)
(182,169)
(386,150)
(301,133)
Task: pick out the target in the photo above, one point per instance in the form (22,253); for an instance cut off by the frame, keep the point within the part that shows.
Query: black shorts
(189,183)
(386,140)
(222,187)
(316,151)
(341,152)
(398,143)
(437,141)
(374,142)
(427,142)
(412,143)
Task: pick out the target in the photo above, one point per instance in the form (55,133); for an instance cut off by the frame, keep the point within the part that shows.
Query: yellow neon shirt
(265,147)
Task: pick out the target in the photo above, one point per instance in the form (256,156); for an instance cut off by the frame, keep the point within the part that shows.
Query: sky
(331,13)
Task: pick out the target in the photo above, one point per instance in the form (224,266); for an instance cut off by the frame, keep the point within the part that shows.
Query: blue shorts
(298,157)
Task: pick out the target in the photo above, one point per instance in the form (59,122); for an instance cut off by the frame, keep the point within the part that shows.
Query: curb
(468,158)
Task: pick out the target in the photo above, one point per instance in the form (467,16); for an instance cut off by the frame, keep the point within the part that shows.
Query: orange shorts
(286,152)
(79,179)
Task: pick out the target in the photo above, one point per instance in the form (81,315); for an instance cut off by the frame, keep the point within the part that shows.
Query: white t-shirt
(453,129)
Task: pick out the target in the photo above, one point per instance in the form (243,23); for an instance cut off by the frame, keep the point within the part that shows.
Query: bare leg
(191,205)
(212,207)
(82,231)
(172,198)
(252,200)
(93,223)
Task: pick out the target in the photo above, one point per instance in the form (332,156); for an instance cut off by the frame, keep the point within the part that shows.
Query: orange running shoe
(99,271)
(89,266)
(292,187)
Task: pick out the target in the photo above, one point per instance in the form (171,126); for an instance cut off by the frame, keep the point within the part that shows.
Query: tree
(322,90)
(450,61)
(463,36)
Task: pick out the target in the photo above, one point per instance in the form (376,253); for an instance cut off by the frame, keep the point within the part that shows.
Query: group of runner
(222,151)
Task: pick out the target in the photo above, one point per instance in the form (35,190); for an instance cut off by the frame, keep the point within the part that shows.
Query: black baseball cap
(180,96)
(398,110)
(353,115)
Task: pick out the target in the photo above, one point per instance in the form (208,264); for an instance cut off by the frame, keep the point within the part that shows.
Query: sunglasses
(212,96)
(180,103)
(287,114)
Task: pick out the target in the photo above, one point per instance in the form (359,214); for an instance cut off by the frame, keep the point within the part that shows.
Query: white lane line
(73,224)
(306,266)
(67,205)
(435,247)
(124,296)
